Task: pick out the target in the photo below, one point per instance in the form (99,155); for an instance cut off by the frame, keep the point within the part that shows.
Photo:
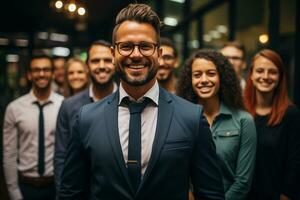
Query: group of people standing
(134,138)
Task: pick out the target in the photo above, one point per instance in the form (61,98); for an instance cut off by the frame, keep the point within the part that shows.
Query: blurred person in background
(28,136)
(235,52)
(167,63)
(208,79)
(101,73)
(277,170)
(76,78)
(59,74)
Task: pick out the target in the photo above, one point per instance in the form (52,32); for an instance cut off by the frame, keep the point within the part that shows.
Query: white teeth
(136,66)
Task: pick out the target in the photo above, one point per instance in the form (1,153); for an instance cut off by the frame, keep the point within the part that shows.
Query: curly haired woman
(207,78)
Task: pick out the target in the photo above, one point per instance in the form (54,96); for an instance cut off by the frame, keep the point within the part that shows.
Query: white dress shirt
(148,120)
(20,138)
(92,95)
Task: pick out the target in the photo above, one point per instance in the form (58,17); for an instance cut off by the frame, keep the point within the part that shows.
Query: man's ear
(244,65)
(112,50)
(176,64)
(29,76)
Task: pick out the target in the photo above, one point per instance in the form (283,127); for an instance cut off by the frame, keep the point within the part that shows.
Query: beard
(152,70)
(102,85)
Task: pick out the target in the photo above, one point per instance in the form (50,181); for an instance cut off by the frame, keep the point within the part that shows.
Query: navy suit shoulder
(65,121)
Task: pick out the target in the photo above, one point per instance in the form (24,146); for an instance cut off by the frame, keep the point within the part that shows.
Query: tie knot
(41,106)
(135,107)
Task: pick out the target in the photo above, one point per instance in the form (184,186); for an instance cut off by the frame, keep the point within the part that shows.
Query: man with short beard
(28,136)
(101,72)
(167,63)
(140,143)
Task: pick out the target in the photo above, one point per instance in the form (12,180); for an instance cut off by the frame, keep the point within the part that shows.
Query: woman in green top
(207,78)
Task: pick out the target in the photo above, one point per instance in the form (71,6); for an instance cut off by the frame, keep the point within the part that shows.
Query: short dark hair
(237,45)
(39,55)
(95,43)
(167,42)
(230,91)
(141,13)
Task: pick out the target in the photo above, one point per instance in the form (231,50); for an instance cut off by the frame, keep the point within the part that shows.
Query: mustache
(99,70)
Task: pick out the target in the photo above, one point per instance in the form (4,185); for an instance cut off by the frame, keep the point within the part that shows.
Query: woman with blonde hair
(76,76)
(277,169)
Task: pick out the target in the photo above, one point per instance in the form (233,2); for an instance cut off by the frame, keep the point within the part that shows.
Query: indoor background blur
(66,27)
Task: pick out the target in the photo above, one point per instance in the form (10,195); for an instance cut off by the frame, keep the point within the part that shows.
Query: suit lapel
(165,113)
(111,117)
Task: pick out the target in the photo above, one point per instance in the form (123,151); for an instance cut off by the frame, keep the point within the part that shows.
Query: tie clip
(132,162)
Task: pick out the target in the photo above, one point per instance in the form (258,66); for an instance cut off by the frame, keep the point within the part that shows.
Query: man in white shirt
(28,136)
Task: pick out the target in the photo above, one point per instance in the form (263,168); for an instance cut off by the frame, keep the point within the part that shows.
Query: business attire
(65,121)
(277,169)
(175,147)
(23,168)
(234,135)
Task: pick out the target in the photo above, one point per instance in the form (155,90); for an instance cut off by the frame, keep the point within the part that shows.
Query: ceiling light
(178,1)
(59,4)
(12,58)
(43,35)
(61,51)
(215,34)
(222,28)
(59,37)
(170,21)
(263,38)
(81,11)
(4,41)
(72,7)
(21,42)
(207,38)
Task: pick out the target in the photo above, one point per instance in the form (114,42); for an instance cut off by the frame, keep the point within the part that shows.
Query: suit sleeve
(61,138)
(10,134)
(245,161)
(205,173)
(76,170)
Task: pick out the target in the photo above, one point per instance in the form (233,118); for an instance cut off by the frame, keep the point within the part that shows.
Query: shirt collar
(92,95)
(224,110)
(34,99)
(153,93)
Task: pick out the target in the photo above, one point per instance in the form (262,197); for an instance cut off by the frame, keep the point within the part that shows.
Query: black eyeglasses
(145,48)
(39,70)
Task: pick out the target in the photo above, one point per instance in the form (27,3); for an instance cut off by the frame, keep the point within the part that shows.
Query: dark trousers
(31,192)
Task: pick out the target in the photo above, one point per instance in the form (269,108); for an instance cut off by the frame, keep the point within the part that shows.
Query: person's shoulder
(292,111)
(98,106)
(19,101)
(79,98)
(244,115)
(57,97)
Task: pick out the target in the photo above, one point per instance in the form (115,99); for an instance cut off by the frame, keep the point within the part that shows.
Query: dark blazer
(182,149)
(65,120)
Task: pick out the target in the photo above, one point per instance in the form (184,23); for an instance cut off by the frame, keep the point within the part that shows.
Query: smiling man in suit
(101,72)
(141,142)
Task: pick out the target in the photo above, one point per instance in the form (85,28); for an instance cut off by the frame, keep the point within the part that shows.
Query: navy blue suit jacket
(182,149)
(65,120)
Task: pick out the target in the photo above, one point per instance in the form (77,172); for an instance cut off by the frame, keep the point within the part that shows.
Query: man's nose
(136,52)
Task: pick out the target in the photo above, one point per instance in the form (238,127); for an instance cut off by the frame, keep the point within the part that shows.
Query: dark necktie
(41,151)
(134,143)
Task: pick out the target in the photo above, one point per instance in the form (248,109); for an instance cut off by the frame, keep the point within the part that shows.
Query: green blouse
(234,135)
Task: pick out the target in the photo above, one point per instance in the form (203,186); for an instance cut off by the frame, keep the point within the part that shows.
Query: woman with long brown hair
(278,129)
